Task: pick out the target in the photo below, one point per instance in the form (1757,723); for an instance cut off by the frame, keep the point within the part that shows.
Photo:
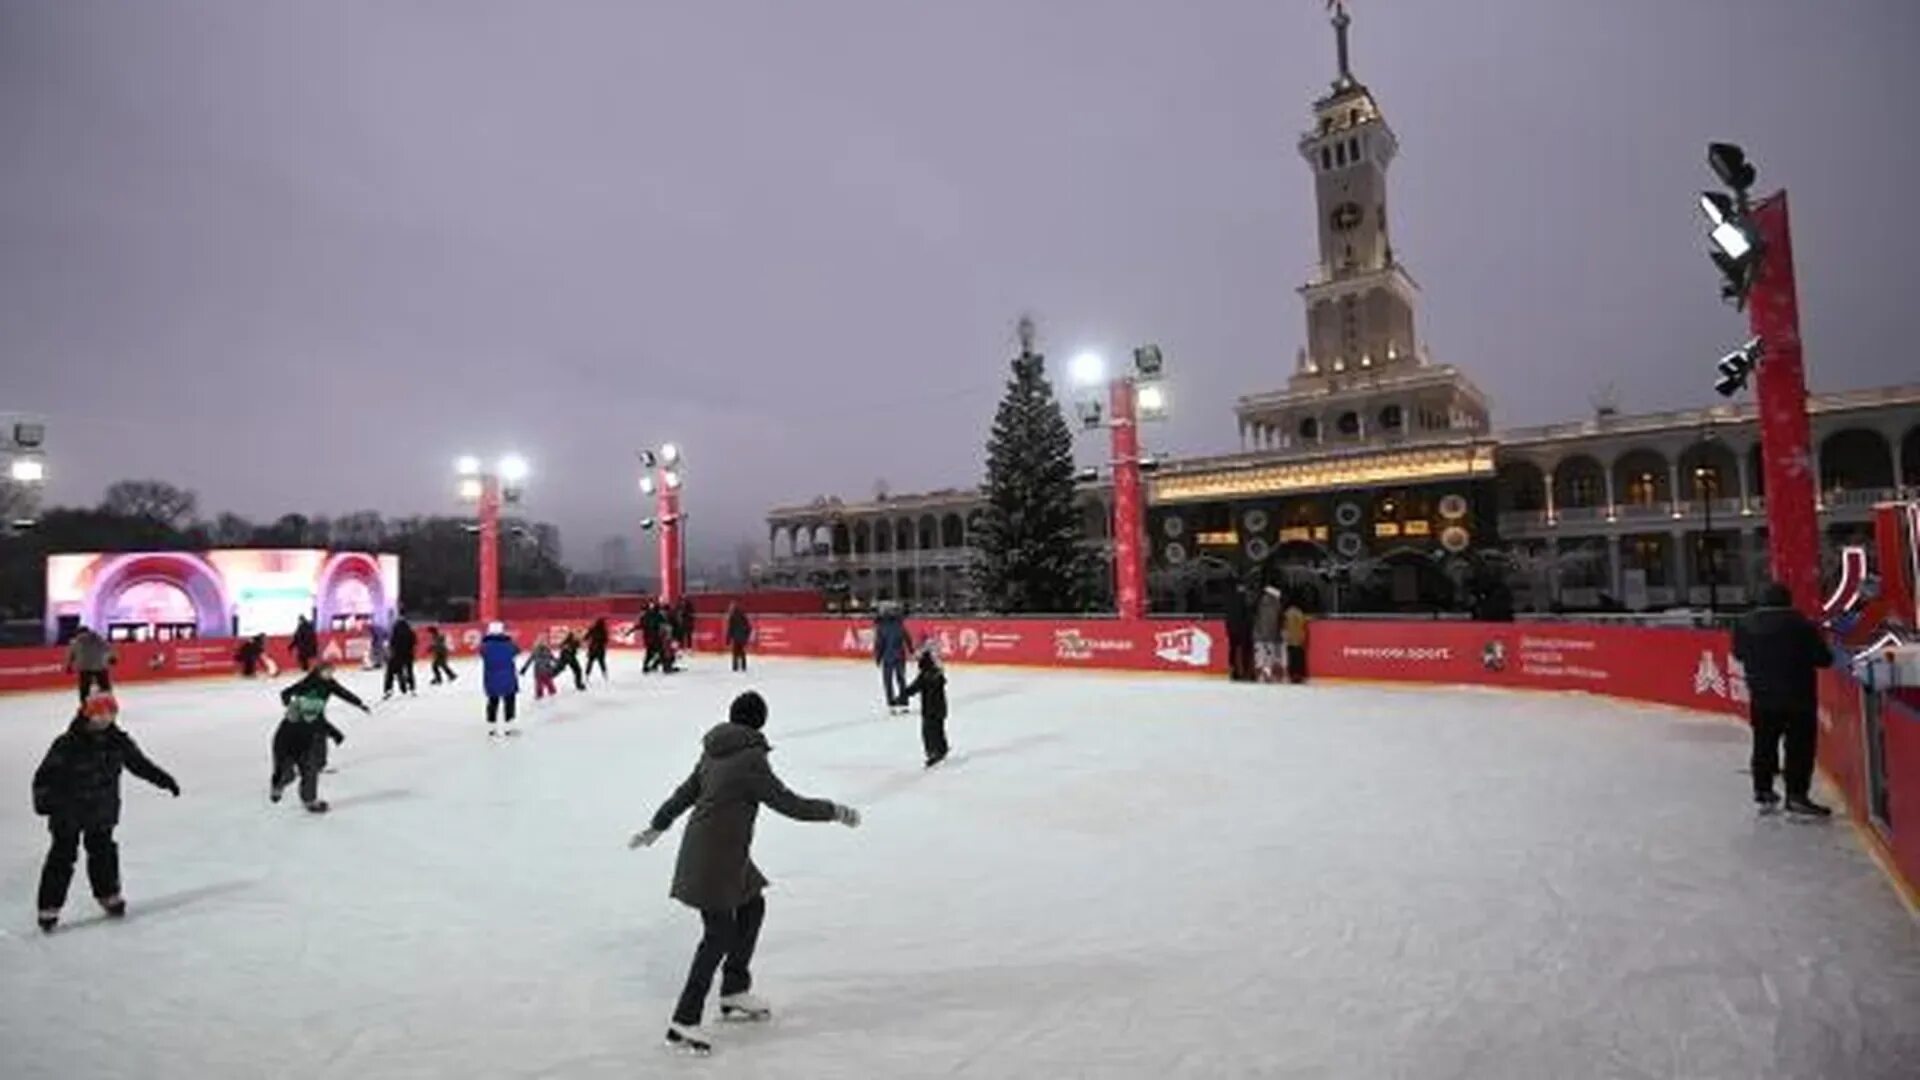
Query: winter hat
(750,710)
(496,627)
(100,703)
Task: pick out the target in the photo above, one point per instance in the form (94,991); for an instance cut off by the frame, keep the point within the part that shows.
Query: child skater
(542,662)
(715,874)
(300,742)
(931,685)
(77,789)
(438,645)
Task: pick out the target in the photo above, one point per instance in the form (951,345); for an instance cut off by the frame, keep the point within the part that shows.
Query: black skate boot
(1767,801)
(1801,806)
(49,920)
(743,1006)
(690,1038)
(114,906)
(317,806)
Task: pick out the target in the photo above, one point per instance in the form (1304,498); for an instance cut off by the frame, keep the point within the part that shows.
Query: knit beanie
(749,709)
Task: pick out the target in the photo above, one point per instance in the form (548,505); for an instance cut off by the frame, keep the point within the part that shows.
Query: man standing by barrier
(891,644)
(90,655)
(1782,651)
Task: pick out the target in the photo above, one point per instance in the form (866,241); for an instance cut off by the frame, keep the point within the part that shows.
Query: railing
(1863,497)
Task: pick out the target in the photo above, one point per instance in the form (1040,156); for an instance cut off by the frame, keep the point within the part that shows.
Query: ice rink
(1115,877)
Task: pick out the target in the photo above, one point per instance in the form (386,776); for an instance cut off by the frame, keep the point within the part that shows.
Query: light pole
(663,473)
(1132,396)
(1706,487)
(487,489)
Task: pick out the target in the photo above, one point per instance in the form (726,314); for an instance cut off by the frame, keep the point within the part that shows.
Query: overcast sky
(298,256)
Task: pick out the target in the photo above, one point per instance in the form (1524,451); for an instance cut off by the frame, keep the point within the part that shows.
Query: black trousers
(441,667)
(400,673)
(1240,657)
(572,663)
(493,706)
(1801,730)
(740,656)
(933,734)
(103,863)
(893,681)
(299,749)
(1296,663)
(598,657)
(91,679)
(656,656)
(727,945)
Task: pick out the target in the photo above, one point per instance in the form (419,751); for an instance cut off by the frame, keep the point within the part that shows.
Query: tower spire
(1340,23)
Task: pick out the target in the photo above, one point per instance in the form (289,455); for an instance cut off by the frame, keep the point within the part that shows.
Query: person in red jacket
(77,789)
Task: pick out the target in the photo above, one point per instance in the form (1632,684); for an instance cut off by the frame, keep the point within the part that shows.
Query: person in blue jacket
(891,644)
(500,676)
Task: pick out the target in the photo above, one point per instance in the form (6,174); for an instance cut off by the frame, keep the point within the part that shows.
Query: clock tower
(1363,377)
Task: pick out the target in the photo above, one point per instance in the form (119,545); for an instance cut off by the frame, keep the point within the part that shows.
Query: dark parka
(726,790)
(1781,651)
(78,783)
(405,643)
(739,627)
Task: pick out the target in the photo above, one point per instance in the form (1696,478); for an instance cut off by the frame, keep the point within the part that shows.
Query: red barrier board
(1694,669)
(1153,645)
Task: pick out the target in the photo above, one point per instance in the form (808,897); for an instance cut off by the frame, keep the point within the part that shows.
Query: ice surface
(1117,877)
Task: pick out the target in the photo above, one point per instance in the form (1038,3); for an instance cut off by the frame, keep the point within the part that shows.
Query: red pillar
(1786,444)
(489,548)
(667,510)
(1129,557)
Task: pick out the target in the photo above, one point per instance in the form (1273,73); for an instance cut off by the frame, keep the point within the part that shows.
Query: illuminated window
(1643,490)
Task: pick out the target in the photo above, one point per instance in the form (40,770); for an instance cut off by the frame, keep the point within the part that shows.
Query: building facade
(1374,481)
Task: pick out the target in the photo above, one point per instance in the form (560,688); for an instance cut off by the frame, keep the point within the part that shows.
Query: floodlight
(28,470)
(1088,369)
(468,465)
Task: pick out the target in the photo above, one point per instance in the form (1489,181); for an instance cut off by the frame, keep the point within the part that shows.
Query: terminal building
(1374,478)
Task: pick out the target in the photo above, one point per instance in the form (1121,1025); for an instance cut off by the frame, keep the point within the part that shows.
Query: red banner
(1155,645)
(1694,669)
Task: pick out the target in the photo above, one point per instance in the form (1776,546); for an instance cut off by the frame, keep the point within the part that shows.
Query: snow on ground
(1117,877)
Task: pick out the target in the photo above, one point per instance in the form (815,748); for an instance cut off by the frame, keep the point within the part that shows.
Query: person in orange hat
(77,789)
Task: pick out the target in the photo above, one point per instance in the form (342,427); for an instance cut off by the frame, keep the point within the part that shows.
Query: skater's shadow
(368,798)
(140,909)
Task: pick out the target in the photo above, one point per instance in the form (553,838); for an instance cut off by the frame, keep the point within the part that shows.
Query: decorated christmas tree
(1032,554)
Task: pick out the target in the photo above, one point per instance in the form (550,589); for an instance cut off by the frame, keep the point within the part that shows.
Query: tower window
(1353,149)
(1326,157)
(1310,430)
(1349,423)
(1390,418)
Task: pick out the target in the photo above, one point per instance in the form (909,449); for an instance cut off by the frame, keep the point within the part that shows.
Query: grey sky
(300,255)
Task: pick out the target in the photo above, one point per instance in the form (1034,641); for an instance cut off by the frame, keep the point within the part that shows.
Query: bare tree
(155,500)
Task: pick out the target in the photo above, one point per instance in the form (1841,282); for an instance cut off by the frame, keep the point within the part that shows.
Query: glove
(172,787)
(339,740)
(846,815)
(644,838)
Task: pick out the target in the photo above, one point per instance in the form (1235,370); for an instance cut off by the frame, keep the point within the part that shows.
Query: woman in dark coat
(739,633)
(77,789)
(715,874)
(597,637)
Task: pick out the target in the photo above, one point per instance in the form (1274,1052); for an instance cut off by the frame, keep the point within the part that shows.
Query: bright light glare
(28,470)
(646,485)
(1152,399)
(669,455)
(468,465)
(673,480)
(1732,240)
(513,468)
(1088,369)
(1710,206)
(470,489)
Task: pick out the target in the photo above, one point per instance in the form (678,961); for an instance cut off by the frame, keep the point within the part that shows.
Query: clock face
(1347,216)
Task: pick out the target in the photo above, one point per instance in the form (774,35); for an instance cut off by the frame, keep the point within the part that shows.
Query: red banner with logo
(1175,645)
(1694,669)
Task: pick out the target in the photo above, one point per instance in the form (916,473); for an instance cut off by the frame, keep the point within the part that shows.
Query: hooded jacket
(498,677)
(404,643)
(78,782)
(1781,650)
(891,641)
(732,781)
(739,627)
(931,685)
(89,652)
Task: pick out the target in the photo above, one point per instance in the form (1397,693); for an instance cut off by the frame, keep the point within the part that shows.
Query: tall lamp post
(487,489)
(1706,485)
(663,473)
(1132,397)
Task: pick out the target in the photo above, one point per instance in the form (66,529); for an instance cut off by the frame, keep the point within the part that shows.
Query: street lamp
(1132,396)
(663,474)
(487,488)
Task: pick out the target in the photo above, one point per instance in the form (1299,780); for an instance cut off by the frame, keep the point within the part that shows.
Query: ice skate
(1803,807)
(1768,802)
(317,806)
(935,760)
(689,1038)
(49,920)
(114,906)
(743,1006)
(274,791)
